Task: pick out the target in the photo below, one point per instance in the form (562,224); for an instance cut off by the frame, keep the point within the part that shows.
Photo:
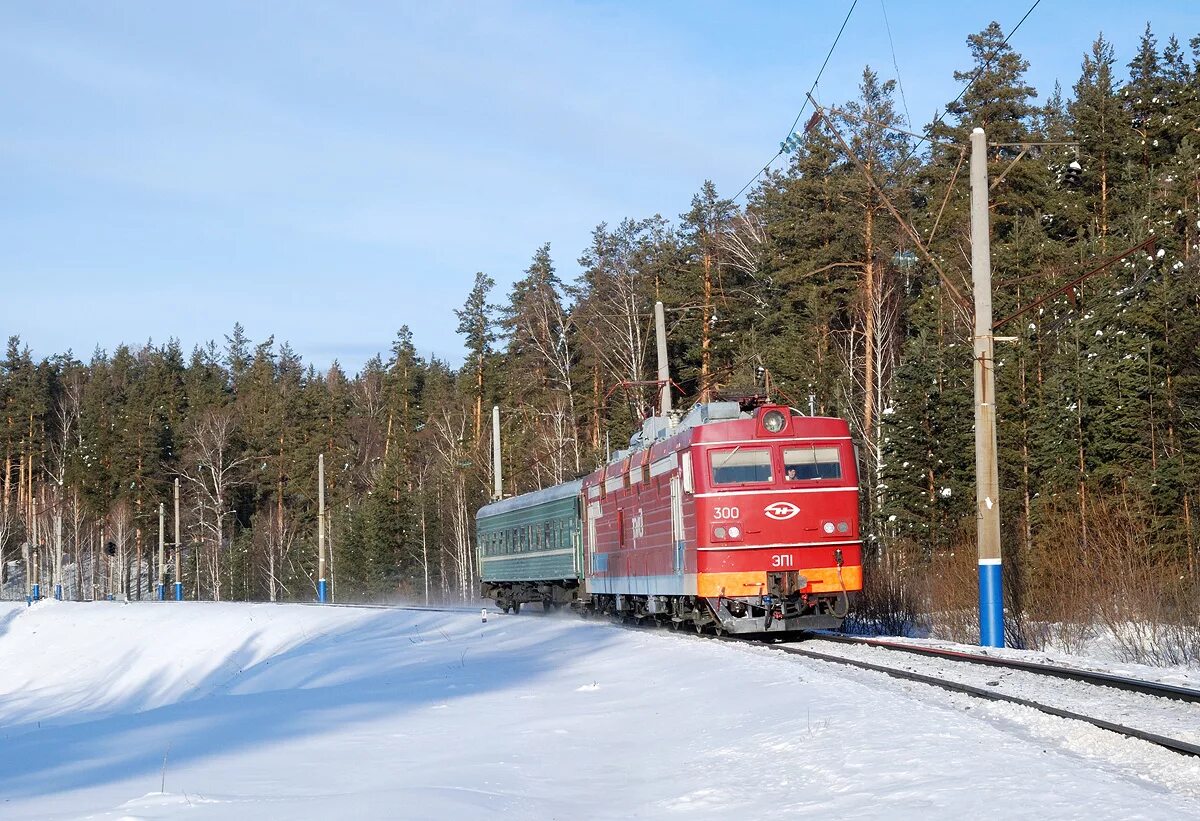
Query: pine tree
(702,283)
(540,364)
(1100,128)
(475,325)
(810,273)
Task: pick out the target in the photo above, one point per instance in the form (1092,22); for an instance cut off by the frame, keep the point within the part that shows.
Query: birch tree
(213,469)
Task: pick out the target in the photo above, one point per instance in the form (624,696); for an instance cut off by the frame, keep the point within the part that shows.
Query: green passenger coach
(530,548)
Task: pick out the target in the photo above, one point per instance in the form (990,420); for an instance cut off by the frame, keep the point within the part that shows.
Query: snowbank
(302,712)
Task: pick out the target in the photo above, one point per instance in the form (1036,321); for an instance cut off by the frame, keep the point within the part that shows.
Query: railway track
(1152,688)
(1099,699)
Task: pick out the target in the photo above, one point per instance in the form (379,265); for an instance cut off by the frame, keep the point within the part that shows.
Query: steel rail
(1150,688)
(1175,745)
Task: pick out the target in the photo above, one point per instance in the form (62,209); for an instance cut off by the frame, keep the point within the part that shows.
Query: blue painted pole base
(178,591)
(58,592)
(322,591)
(161,592)
(991,604)
(37,592)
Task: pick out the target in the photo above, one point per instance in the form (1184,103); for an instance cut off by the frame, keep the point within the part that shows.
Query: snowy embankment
(285,712)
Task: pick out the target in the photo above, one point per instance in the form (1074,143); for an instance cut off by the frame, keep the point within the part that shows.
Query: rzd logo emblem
(781,510)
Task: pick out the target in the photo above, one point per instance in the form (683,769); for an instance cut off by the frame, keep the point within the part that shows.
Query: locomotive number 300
(726,513)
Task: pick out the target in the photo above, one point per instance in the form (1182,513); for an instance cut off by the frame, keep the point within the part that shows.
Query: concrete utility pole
(497,478)
(178,549)
(35,563)
(987,480)
(58,549)
(664,370)
(161,592)
(322,586)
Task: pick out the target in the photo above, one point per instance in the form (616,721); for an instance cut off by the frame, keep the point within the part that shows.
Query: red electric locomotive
(737,518)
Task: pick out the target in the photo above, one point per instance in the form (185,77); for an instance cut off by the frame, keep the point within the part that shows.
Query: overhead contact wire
(978,72)
(800,113)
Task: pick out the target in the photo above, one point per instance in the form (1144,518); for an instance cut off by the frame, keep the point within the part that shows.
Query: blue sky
(329,171)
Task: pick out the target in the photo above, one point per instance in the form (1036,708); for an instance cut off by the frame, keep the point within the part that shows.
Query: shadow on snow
(335,679)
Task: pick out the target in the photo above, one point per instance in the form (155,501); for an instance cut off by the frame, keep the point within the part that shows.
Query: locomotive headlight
(774,421)
(843,527)
(735,532)
(719,532)
(828,527)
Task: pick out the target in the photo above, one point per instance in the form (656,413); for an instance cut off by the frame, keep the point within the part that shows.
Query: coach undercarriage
(722,615)
(551,595)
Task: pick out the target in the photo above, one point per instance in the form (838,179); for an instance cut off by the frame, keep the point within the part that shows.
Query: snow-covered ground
(237,711)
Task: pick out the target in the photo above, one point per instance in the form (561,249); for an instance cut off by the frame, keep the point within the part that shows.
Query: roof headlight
(774,421)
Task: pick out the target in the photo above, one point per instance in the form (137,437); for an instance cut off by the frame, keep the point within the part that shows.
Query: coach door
(677,522)
(593,513)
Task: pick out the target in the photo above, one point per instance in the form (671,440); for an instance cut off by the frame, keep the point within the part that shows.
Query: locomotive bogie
(549,594)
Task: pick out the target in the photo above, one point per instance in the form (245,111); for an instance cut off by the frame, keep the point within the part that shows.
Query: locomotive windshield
(738,465)
(811,463)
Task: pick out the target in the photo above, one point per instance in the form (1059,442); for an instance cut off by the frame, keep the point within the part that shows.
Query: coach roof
(526,500)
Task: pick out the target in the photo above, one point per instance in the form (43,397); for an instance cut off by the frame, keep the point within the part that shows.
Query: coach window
(811,463)
(738,465)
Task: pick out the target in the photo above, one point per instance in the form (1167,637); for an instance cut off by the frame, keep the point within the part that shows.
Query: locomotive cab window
(811,463)
(738,465)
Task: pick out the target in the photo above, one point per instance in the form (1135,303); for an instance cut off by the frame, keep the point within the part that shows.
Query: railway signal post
(987,481)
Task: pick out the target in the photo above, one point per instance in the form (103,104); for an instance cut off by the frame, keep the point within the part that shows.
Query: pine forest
(841,280)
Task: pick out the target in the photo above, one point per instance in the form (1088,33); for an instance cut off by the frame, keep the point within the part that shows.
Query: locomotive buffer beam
(783,607)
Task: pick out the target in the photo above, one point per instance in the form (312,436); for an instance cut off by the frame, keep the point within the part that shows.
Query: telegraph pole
(987,481)
(322,586)
(178,549)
